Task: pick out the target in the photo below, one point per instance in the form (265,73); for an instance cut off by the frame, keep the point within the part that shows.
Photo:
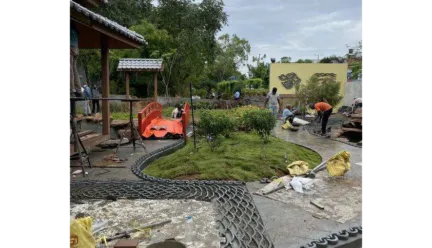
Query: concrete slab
(125,214)
(289,217)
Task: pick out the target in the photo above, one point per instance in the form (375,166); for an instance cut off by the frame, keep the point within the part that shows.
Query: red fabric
(172,126)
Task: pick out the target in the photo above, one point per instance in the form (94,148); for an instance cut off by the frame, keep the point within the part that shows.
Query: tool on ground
(317,205)
(127,233)
(317,169)
(274,190)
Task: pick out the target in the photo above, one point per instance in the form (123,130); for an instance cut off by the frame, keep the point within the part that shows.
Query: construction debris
(353,125)
(275,185)
(114,158)
(316,204)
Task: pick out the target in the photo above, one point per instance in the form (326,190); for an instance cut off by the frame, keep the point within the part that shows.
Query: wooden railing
(151,111)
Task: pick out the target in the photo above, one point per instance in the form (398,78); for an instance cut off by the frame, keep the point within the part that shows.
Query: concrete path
(127,151)
(290,225)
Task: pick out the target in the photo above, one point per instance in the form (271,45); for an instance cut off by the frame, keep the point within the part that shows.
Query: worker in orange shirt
(326,110)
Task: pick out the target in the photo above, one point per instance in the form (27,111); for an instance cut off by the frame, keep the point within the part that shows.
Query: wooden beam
(127,85)
(155,87)
(105,85)
(102,29)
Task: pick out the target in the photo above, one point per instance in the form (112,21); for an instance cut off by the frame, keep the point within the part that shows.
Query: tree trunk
(86,74)
(166,90)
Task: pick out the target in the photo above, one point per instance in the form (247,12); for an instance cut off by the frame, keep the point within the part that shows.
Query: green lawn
(238,158)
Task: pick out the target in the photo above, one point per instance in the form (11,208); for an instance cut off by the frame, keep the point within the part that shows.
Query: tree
(89,59)
(285,60)
(356,66)
(332,59)
(304,61)
(260,69)
(193,28)
(317,88)
(232,53)
(126,12)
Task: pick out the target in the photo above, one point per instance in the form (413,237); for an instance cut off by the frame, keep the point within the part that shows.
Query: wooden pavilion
(98,32)
(140,65)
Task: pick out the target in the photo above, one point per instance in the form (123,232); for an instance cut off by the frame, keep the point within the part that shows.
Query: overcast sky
(299,29)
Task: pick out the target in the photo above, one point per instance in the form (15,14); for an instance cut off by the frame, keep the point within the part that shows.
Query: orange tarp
(160,127)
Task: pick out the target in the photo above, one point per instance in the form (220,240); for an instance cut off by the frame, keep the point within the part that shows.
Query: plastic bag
(339,164)
(300,183)
(298,168)
(80,233)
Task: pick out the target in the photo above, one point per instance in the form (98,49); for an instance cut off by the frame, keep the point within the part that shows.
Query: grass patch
(121,116)
(238,158)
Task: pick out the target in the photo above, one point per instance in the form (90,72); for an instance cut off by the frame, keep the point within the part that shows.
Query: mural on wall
(321,76)
(289,80)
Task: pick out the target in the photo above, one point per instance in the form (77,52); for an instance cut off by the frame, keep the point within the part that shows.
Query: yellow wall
(304,72)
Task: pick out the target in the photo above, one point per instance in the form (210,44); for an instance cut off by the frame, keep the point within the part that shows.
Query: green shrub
(215,126)
(200,92)
(229,87)
(262,121)
(255,92)
(254,83)
(239,114)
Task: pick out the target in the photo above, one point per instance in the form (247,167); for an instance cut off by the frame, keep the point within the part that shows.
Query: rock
(113,143)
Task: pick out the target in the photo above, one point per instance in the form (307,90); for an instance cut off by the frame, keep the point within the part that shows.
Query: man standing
(95,103)
(75,85)
(357,103)
(273,102)
(87,95)
(237,95)
(325,110)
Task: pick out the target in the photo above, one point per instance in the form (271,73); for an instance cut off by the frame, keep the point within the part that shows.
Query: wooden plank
(86,132)
(127,85)
(105,85)
(346,129)
(356,116)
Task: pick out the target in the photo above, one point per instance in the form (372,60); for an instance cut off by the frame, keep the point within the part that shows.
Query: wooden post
(127,85)
(155,87)
(105,85)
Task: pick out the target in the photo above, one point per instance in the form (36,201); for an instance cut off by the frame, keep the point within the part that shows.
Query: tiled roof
(108,23)
(139,64)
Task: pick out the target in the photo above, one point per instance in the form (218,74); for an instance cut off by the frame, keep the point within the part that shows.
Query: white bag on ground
(300,183)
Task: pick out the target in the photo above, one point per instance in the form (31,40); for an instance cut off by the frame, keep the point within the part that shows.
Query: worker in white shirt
(357,103)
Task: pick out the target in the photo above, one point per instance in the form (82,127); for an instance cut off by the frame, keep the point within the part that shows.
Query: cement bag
(287,125)
(298,168)
(339,164)
(80,233)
